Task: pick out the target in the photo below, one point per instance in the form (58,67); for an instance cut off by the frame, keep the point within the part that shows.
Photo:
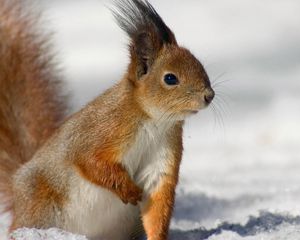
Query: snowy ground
(240,175)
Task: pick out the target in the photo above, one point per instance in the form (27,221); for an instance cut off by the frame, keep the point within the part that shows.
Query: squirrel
(111,168)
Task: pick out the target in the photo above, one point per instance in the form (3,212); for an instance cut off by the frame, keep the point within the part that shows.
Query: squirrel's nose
(209,95)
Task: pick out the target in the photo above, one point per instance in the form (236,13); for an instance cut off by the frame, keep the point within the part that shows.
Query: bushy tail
(31,105)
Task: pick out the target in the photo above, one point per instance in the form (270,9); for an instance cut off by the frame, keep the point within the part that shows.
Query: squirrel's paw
(131,193)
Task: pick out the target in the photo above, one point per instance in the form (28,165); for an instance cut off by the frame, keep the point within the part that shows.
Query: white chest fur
(97,212)
(147,159)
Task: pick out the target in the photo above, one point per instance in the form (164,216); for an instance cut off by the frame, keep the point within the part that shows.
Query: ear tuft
(146,29)
(135,16)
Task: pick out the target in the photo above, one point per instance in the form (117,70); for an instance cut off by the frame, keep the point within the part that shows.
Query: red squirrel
(110,169)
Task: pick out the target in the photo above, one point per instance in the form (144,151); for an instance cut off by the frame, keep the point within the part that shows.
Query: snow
(4,225)
(285,232)
(49,234)
(240,173)
(266,223)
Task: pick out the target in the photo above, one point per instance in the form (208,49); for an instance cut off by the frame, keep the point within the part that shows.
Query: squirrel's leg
(158,209)
(111,175)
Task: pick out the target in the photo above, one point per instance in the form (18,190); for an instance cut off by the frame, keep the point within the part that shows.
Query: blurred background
(242,156)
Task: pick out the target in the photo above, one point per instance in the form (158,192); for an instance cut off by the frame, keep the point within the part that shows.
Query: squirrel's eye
(171,79)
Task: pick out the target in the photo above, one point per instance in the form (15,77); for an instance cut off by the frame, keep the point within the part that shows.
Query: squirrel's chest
(146,158)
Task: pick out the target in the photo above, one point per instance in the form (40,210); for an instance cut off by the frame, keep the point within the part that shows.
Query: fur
(136,17)
(31,104)
(115,163)
(146,163)
(98,213)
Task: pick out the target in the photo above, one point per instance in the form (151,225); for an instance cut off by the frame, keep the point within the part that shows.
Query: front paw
(131,193)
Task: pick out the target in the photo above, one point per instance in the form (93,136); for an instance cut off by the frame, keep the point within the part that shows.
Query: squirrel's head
(168,80)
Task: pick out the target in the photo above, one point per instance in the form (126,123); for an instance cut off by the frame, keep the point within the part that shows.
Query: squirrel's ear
(147,31)
(144,50)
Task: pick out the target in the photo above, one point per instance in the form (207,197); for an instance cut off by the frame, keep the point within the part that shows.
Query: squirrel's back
(31,106)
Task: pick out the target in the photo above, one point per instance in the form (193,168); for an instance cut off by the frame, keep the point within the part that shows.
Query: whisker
(167,115)
(219,84)
(218,77)
(223,105)
(212,108)
(219,116)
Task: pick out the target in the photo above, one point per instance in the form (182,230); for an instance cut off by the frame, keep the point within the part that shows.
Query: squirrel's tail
(31,106)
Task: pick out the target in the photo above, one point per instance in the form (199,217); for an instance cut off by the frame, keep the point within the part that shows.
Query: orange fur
(157,212)
(31,107)
(95,143)
(44,196)
(100,163)
(111,175)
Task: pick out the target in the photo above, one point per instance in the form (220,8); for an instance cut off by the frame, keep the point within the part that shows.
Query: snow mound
(285,232)
(48,234)
(266,226)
